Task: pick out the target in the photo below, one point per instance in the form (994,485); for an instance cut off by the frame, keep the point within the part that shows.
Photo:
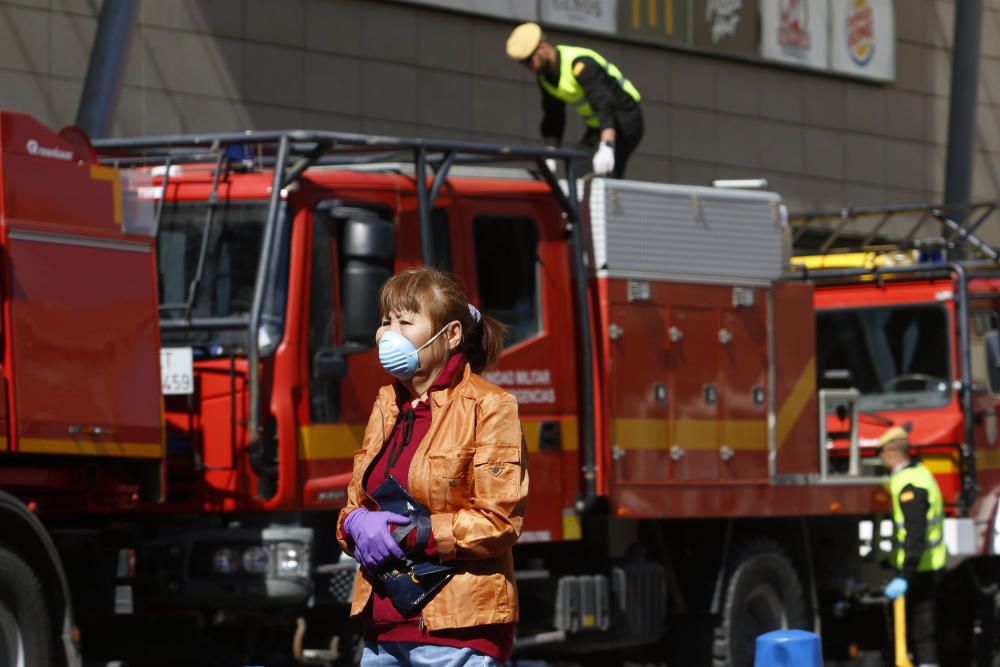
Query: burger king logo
(860,31)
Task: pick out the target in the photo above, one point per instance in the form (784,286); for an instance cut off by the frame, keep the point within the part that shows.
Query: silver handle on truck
(92,430)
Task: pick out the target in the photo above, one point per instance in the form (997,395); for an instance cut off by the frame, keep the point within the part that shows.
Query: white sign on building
(518,10)
(795,32)
(590,15)
(863,38)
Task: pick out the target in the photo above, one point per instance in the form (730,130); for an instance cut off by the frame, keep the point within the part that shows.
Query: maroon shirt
(384,623)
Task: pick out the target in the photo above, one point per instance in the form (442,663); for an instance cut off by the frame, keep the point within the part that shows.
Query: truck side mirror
(992,343)
(366,247)
(330,362)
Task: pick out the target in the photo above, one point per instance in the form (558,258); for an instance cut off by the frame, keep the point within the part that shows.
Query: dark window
(993,363)
(352,256)
(226,284)
(897,357)
(322,317)
(441,239)
(507,267)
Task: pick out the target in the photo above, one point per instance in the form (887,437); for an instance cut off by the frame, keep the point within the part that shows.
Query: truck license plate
(176,370)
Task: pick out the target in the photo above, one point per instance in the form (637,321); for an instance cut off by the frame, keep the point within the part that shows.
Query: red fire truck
(700,416)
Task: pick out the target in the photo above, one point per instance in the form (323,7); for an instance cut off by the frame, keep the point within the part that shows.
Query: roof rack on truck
(291,152)
(944,228)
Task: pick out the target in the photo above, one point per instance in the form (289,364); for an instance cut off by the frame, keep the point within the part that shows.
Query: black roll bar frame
(959,223)
(310,148)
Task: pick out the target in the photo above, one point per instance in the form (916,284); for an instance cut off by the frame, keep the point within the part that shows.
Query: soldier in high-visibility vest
(600,93)
(918,553)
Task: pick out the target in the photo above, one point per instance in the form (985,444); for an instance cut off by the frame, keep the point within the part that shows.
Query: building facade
(821,138)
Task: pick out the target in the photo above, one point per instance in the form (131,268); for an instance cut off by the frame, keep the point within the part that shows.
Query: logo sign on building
(863,39)
(591,15)
(795,32)
(728,26)
(657,21)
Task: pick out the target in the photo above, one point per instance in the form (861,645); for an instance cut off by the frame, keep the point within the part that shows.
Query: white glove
(551,164)
(604,159)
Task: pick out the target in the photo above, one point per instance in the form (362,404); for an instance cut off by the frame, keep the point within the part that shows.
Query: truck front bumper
(243,567)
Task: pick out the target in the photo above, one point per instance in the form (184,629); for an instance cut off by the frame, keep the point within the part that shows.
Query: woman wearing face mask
(453,442)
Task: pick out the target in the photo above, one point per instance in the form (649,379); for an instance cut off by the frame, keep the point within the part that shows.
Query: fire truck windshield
(223,288)
(896,356)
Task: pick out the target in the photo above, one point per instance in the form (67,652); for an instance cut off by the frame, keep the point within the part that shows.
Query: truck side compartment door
(515,268)
(99,329)
(642,390)
(694,410)
(743,374)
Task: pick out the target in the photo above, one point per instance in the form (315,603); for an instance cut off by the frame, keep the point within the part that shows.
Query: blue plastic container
(788,648)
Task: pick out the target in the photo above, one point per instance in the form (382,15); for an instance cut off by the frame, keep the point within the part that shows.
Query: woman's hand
(373,542)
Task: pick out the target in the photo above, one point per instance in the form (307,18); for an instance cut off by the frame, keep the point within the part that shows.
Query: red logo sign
(793,29)
(861,31)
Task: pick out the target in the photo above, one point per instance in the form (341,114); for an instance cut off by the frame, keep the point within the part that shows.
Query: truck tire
(763,593)
(26,638)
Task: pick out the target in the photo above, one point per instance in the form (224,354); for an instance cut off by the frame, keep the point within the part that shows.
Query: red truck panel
(84,348)
(795,379)
(82,335)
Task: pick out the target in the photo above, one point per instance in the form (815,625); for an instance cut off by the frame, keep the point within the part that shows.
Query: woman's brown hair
(426,290)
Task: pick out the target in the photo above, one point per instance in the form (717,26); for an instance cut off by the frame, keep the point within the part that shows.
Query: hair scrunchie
(476,315)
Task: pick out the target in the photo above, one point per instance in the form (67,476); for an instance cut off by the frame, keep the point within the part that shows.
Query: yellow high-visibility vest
(569,89)
(935,554)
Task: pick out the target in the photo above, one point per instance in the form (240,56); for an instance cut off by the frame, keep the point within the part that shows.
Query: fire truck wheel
(25,634)
(763,593)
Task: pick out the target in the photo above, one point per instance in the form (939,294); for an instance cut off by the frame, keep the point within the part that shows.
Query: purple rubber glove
(373,543)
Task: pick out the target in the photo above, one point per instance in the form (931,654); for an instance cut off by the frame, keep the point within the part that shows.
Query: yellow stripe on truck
(136,450)
(110,174)
(340,441)
(791,409)
(710,434)
(330,441)
(987,458)
(567,430)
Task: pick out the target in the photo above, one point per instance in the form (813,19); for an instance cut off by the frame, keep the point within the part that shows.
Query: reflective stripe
(936,520)
(930,545)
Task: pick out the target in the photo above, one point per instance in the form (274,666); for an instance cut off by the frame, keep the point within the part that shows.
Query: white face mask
(398,356)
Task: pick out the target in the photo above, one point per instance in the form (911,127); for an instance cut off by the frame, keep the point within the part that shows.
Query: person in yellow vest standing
(919,552)
(600,93)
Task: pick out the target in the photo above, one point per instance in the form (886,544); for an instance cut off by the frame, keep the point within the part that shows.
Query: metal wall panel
(695,234)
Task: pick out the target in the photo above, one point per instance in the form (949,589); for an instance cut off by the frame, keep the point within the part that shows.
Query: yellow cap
(893,434)
(524,40)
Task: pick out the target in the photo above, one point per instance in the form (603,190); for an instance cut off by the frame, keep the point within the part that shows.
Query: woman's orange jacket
(471,472)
